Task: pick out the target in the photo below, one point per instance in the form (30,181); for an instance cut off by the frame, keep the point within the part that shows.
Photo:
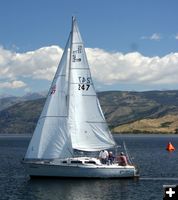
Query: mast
(70,60)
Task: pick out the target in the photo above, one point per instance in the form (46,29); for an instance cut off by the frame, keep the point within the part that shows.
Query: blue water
(157,168)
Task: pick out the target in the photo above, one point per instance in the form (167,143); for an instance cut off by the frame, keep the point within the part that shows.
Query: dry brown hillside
(166,124)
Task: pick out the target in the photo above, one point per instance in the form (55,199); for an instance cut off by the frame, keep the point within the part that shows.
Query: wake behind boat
(72,120)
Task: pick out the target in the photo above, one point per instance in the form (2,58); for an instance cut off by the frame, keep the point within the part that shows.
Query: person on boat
(103,156)
(122,159)
(111,158)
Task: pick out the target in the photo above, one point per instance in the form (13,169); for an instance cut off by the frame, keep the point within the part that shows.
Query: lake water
(157,168)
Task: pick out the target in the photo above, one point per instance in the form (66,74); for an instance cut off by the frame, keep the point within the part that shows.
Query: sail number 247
(84,83)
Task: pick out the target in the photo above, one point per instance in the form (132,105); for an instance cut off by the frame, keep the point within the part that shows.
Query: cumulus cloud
(154,36)
(106,67)
(38,64)
(176,37)
(12,84)
(112,68)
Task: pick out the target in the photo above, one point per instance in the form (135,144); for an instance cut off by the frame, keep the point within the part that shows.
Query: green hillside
(21,117)
(121,110)
(124,107)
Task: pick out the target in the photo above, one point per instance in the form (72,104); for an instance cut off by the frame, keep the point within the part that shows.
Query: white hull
(58,169)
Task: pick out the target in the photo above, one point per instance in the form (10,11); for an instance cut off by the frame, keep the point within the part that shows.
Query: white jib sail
(51,137)
(87,125)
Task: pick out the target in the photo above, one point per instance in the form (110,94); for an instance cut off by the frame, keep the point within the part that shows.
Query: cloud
(154,36)
(106,67)
(133,68)
(38,64)
(12,84)
(176,37)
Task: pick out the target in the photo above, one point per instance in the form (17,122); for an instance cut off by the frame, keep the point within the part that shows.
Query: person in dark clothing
(111,158)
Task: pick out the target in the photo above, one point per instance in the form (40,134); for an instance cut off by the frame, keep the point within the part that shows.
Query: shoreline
(16,135)
(146,133)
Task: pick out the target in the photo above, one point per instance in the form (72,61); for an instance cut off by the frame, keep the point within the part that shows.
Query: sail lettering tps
(72,117)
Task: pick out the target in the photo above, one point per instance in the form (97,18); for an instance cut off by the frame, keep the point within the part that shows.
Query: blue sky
(139,31)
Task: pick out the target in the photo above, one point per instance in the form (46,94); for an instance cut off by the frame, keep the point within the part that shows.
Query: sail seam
(80,68)
(51,116)
(89,95)
(60,75)
(77,42)
(96,122)
(56,77)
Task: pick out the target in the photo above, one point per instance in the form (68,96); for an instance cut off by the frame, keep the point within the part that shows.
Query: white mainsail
(51,137)
(87,125)
(72,117)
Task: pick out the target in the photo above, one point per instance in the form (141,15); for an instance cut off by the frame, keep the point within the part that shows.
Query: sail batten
(52,116)
(79,68)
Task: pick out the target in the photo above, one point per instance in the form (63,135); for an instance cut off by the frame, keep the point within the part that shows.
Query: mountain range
(125,112)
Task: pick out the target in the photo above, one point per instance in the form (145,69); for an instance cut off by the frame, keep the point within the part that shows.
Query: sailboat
(72,121)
